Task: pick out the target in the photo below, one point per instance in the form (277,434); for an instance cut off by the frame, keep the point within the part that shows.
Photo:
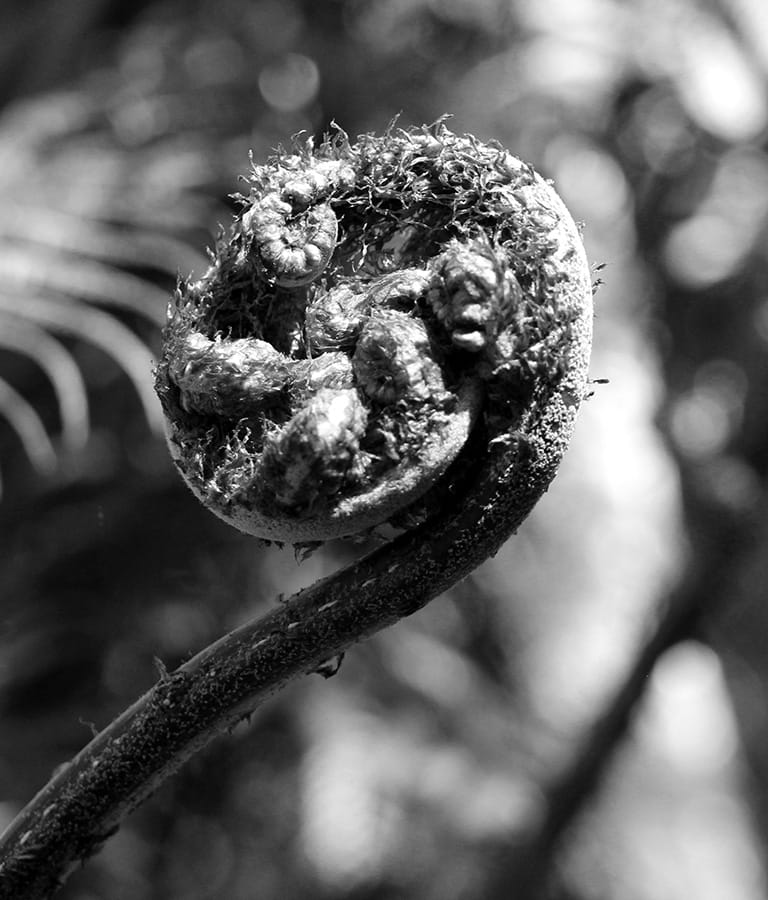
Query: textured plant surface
(396,331)
(485,727)
(372,302)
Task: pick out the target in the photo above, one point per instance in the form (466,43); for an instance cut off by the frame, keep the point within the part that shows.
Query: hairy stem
(89,797)
(510,306)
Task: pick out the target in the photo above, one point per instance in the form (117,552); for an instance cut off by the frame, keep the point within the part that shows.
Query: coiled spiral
(374,304)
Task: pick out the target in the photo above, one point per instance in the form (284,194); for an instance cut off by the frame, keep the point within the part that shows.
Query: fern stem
(68,820)
(508,461)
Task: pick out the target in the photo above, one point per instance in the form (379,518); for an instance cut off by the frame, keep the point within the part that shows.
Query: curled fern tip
(375,305)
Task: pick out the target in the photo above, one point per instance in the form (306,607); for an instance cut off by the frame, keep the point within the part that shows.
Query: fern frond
(100,329)
(24,337)
(26,270)
(28,426)
(109,189)
(64,232)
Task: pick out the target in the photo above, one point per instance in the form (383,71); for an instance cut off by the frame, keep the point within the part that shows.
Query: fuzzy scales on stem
(395,333)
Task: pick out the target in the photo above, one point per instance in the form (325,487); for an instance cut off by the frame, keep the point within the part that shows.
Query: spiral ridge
(373,303)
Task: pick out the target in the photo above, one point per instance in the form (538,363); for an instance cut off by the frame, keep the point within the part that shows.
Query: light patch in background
(347,824)
(596,191)
(572,53)
(713,243)
(570,59)
(591,180)
(571,71)
(687,718)
(752,16)
(369,783)
(704,419)
(671,821)
(291,83)
(434,668)
(703,250)
(718,86)
(473,96)
(696,815)
(566,14)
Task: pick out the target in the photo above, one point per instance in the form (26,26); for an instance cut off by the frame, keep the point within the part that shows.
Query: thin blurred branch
(529,865)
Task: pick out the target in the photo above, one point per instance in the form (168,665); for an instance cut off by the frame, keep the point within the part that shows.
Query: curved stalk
(88,798)
(477,503)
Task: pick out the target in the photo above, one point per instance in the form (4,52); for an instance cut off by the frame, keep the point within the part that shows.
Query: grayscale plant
(396,333)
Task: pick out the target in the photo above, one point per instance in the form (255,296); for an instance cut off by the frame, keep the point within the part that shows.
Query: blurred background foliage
(583,718)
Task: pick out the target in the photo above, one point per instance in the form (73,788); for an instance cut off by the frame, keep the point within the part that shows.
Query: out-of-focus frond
(28,271)
(65,232)
(25,337)
(109,188)
(100,329)
(29,427)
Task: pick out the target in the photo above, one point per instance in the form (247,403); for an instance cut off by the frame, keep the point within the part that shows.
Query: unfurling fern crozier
(395,331)
(375,306)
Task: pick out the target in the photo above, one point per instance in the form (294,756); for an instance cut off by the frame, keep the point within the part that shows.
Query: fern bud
(373,304)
